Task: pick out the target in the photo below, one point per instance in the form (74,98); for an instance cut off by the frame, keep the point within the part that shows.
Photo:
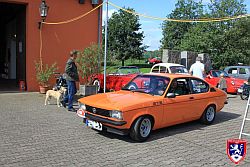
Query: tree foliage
(124,36)
(228,41)
(173,32)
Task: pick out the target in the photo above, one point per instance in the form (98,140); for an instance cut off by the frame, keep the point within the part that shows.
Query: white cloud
(110,12)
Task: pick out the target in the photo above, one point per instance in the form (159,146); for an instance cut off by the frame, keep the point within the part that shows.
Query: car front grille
(97,111)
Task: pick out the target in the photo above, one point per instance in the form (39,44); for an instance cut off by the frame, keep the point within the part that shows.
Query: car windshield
(219,72)
(128,70)
(149,84)
(178,69)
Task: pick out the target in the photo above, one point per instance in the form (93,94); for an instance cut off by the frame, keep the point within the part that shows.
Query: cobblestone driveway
(32,134)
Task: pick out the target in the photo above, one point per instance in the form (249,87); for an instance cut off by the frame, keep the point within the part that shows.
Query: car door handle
(191,97)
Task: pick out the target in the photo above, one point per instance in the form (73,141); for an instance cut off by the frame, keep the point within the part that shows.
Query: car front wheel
(141,129)
(208,115)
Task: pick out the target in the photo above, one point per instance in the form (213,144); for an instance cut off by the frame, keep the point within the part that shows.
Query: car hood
(120,100)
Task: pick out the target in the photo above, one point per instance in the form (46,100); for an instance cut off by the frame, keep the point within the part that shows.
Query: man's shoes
(63,104)
(71,110)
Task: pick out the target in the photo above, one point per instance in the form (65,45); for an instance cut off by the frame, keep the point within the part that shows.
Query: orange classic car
(152,101)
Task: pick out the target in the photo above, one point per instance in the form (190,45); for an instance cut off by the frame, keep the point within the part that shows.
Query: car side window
(242,71)
(179,87)
(232,71)
(198,86)
(163,69)
(214,74)
(155,69)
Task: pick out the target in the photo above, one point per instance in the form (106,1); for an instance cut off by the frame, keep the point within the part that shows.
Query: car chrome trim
(104,120)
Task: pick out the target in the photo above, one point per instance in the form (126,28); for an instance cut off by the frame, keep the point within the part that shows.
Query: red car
(117,80)
(233,84)
(154,60)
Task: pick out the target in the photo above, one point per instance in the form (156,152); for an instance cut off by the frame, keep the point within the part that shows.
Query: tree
(226,41)
(124,37)
(224,46)
(173,32)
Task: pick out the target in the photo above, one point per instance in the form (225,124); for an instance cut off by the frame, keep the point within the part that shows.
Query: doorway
(12,45)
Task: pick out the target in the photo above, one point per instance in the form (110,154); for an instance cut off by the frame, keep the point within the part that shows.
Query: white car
(169,68)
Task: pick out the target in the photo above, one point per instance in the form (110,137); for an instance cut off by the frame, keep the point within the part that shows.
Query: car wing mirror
(209,77)
(171,95)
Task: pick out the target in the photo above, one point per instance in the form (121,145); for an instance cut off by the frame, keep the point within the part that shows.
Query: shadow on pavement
(176,129)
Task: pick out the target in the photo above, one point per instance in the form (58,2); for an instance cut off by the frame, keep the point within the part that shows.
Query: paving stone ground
(32,134)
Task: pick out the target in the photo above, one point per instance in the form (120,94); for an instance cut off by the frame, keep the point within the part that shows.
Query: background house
(20,37)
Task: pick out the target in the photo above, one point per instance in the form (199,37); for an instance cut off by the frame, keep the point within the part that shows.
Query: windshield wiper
(126,89)
(137,90)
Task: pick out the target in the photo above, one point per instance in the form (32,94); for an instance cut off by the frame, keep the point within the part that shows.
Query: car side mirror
(171,95)
(209,77)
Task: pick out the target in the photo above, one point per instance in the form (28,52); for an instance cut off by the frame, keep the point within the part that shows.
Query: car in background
(115,81)
(169,68)
(242,72)
(154,60)
(233,84)
(155,101)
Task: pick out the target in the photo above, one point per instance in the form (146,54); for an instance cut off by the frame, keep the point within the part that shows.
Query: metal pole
(99,39)
(105,50)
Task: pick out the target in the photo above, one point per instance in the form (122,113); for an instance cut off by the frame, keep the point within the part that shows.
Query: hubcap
(131,87)
(210,114)
(145,127)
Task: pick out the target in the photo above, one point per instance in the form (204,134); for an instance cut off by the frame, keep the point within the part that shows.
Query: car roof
(237,67)
(168,64)
(170,75)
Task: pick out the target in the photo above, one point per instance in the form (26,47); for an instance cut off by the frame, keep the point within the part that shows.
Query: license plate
(94,124)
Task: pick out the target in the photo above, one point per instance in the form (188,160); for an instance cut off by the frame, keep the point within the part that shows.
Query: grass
(144,67)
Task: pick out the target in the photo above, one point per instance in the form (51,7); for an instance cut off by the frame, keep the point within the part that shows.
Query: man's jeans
(69,97)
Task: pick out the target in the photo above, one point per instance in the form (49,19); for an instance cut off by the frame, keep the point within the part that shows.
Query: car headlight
(116,114)
(82,106)
(232,82)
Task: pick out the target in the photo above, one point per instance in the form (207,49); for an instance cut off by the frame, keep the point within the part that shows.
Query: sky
(157,8)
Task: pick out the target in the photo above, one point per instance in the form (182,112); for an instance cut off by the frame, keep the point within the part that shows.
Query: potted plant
(43,74)
(87,61)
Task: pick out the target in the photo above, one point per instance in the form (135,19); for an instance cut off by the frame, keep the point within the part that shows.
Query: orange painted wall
(57,40)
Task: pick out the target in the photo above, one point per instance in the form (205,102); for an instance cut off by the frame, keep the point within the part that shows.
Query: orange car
(152,101)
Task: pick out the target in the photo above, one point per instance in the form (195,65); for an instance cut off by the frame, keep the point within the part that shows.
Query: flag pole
(105,50)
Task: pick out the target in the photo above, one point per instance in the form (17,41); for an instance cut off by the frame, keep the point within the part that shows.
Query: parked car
(154,101)
(115,81)
(242,72)
(154,60)
(233,84)
(169,68)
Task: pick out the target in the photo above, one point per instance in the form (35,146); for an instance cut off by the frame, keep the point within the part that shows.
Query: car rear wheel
(141,129)
(97,83)
(208,115)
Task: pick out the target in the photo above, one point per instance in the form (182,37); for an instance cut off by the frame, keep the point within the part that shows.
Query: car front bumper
(106,122)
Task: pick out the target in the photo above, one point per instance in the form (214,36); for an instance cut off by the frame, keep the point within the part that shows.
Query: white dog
(58,95)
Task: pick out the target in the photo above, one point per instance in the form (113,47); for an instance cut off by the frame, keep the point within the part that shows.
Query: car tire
(141,129)
(132,86)
(208,115)
(97,83)
(244,95)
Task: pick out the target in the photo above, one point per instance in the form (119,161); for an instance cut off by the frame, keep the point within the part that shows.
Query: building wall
(57,40)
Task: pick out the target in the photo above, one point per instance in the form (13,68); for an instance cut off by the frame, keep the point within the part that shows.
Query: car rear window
(178,69)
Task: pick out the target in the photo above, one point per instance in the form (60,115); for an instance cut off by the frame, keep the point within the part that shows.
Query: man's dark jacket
(71,71)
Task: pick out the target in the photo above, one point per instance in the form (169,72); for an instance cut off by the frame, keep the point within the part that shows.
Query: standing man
(197,69)
(71,78)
